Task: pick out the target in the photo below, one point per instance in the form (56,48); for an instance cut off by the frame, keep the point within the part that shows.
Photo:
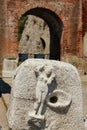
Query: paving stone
(6,98)
(3,119)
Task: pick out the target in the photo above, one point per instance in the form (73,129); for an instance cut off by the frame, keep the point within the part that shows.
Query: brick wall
(84,16)
(69,12)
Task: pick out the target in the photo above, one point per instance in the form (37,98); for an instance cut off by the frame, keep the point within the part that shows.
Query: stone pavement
(84,90)
(3,119)
(5,100)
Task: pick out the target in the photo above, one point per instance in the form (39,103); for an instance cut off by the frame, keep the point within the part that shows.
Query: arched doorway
(55,29)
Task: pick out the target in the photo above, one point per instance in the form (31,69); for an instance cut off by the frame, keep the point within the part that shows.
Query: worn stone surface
(35,30)
(46,95)
(9,66)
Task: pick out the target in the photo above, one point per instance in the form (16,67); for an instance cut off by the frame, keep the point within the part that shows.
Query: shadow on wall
(4,87)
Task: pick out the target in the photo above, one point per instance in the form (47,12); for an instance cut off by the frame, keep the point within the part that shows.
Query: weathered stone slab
(9,66)
(46,95)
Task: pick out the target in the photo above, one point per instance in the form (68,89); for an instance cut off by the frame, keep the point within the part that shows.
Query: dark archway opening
(56,27)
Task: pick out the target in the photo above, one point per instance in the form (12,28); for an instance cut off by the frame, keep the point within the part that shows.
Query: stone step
(5,99)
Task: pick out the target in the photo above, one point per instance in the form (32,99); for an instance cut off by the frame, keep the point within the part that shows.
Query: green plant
(21,26)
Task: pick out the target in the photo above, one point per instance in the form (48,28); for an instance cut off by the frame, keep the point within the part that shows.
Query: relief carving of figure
(46,89)
(44,79)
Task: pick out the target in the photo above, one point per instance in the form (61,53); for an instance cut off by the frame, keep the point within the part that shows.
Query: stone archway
(34,36)
(55,27)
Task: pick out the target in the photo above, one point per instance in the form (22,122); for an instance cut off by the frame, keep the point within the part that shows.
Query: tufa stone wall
(35,31)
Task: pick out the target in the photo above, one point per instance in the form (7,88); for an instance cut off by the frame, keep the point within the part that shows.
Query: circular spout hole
(59,99)
(53,99)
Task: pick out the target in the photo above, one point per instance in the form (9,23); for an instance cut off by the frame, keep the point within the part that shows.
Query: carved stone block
(9,66)
(46,95)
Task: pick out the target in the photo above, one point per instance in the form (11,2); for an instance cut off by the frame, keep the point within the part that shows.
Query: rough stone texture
(9,66)
(35,30)
(46,95)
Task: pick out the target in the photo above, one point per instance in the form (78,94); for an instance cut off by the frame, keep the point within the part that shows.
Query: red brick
(69,11)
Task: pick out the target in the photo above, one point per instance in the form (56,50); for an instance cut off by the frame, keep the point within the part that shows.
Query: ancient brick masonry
(84,16)
(69,13)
